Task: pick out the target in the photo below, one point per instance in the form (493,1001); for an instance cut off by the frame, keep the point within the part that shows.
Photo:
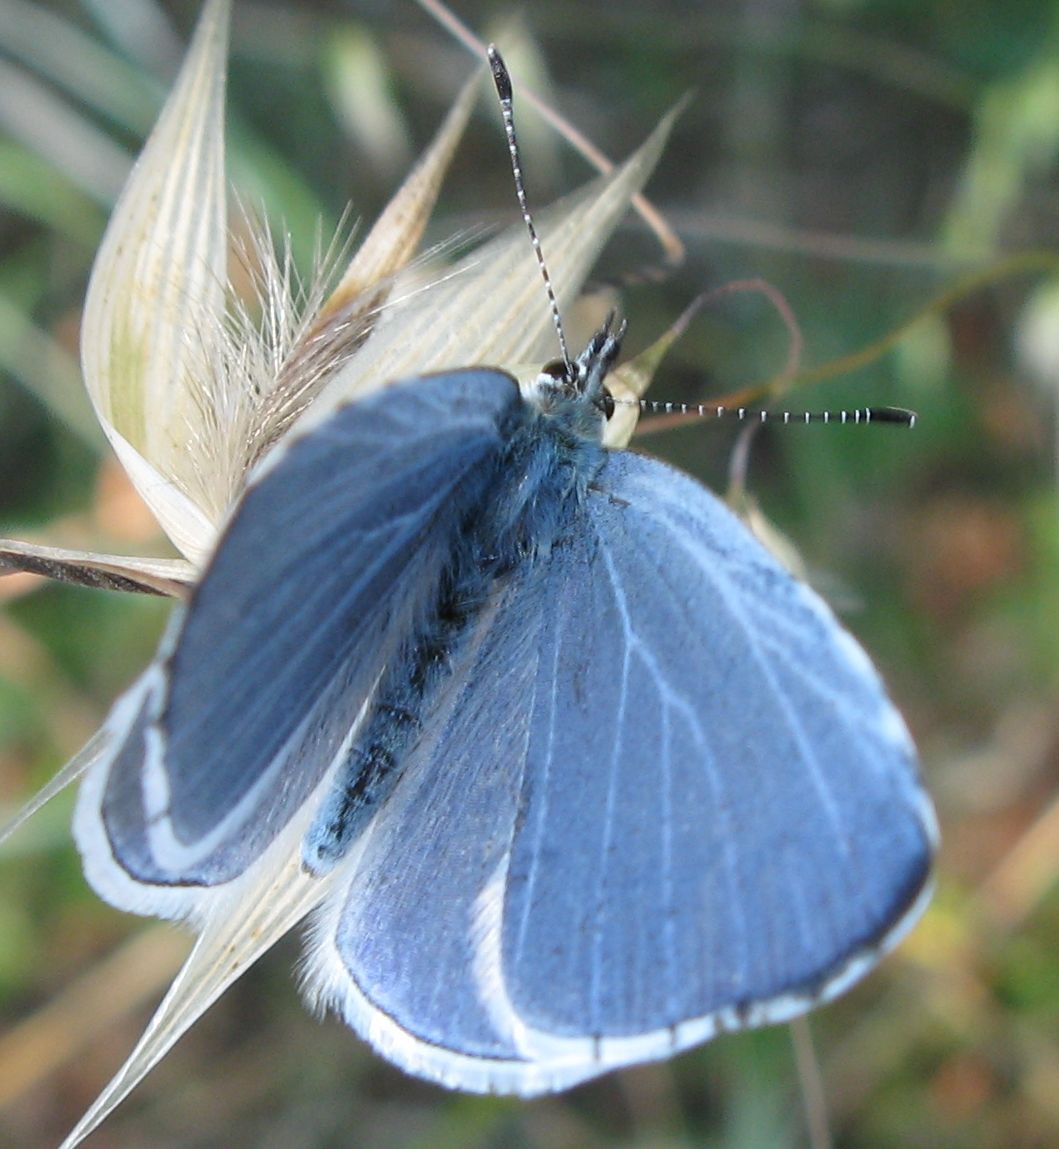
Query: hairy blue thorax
(554,455)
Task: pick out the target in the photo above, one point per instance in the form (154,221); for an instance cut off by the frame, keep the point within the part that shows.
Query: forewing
(324,566)
(721,821)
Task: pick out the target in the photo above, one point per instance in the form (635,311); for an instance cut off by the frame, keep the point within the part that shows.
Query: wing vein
(754,646)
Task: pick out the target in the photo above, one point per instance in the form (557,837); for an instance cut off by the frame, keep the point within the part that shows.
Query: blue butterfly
(587,776)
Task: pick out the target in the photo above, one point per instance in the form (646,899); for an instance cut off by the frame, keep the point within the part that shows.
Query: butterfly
(591,777)
(584,775)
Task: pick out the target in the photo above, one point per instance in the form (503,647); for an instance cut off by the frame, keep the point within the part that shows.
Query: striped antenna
(502,80)
(858,416)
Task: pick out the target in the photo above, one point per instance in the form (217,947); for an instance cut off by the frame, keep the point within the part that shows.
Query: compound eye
(606,404)
(556,369)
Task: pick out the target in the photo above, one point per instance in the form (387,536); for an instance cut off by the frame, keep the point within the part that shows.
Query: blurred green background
(864,156)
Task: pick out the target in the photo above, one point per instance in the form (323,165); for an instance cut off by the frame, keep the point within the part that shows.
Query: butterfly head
(575,392)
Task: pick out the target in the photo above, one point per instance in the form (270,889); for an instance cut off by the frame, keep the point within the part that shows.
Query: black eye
(556,369)
(606,404)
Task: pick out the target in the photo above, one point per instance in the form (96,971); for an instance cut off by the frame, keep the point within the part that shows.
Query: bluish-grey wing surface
(749,823)
(315,582)
(671,798)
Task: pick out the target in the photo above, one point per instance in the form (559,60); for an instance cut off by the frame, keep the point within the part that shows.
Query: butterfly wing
(400,948)
(665,796)
(749,820)
(316,580)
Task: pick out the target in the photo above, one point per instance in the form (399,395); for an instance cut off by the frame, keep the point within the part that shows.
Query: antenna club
(501,76)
